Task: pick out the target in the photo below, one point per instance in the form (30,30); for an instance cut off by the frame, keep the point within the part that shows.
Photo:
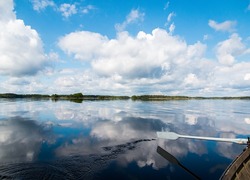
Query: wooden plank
(239,168)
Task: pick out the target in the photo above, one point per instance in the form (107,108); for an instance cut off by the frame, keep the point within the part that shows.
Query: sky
(125,47)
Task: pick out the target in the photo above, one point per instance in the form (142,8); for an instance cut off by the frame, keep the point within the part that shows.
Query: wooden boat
(239,169)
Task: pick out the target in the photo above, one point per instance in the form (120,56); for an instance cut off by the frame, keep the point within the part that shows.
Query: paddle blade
(173,160)
(167,135)
(167,155)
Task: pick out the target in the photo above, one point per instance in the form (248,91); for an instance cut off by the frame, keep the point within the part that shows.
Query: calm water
(116,139)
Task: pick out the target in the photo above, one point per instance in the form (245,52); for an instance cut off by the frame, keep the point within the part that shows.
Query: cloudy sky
(175,47)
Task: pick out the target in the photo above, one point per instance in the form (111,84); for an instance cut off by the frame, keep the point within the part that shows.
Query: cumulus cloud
(134,16)
(39,5)
(232,78)
(21,49)
(83,44)
(228,49)
(6,9)
(67,9)
(89,82)
(156,63)
(146,55)
(226,26)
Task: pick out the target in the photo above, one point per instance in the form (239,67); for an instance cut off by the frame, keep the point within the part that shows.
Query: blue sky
(175,47)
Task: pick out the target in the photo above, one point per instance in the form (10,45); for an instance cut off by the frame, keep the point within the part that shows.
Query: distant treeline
(159,98)
(163,98)
(32,96)
(79,97)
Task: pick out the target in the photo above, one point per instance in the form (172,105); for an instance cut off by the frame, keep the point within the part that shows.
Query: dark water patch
(126,146)
(70,167)
(32,171)
(241,112)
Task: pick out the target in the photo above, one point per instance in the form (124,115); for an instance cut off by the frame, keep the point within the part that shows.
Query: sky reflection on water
(111,139)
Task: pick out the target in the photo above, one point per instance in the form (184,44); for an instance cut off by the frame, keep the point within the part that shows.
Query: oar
(174,136)
(173,160)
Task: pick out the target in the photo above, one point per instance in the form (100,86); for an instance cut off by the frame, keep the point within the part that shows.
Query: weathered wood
(239,168)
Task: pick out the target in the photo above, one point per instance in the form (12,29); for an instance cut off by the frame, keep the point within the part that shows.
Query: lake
(117,139)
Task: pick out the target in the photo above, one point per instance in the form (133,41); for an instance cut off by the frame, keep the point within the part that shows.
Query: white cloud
(171,28)
(134,16)
(231,79)
(146,55)
(83,44)
(228,49)
(227,26)
(90,83)
(87,9)
(170,16)
(247,77)
(19,81)
(166,5)
(23,84)
(66,81)
(39,5)
(191,79)
(6,9)
(19,44)
(205,37)
(68,9)
(156,62)
(147,63)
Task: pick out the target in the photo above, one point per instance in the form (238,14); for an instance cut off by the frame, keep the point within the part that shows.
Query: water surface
(117,139)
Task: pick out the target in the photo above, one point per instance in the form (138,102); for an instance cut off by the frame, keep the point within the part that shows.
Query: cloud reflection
(128,128)
(119,132)
(118,137)
(20,139)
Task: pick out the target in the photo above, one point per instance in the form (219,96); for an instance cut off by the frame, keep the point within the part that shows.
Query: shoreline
(81,97)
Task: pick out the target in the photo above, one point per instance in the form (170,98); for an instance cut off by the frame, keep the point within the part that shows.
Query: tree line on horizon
(80,96)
